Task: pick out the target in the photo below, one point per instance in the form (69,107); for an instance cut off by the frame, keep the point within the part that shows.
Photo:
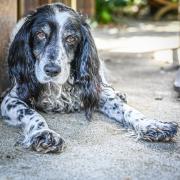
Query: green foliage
(106,8)
(108,11)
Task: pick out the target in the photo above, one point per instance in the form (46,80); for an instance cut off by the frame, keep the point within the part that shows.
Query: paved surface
(100,149)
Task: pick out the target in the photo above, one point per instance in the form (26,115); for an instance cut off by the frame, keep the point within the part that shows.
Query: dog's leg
(36,133)
(112,105)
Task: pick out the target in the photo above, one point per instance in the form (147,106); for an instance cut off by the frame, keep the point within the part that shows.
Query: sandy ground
(101,149)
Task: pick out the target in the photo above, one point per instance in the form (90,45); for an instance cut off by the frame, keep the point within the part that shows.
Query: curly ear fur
(87,72)
(21,64)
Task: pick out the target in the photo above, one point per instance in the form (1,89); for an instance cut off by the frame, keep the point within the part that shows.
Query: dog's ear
(87,71)
(21,63)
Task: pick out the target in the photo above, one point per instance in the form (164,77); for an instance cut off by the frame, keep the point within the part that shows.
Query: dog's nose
(52,69)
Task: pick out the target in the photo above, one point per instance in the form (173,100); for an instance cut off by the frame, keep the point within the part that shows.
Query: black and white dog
(54,67)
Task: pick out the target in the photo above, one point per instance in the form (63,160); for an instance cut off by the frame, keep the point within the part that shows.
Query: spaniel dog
(54,67)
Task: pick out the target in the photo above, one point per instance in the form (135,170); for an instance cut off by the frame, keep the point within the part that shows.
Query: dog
(54,67)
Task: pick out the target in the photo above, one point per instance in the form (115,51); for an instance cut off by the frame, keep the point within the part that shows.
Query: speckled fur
(80,85)
(60,98)
(114,106)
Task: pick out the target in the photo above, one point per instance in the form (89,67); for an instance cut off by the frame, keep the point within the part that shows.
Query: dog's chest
(63,99)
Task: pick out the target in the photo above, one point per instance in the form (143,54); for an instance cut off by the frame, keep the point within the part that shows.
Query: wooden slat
(41,2)
(67,2)
(74,4)
(86,7)
(8,17)
(24,6)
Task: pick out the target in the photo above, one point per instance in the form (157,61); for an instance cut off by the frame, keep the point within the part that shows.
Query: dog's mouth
(59,79)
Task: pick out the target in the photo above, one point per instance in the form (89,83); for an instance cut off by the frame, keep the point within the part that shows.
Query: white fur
(62,60)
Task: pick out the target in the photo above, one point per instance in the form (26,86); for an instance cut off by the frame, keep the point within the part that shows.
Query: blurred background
(122,28)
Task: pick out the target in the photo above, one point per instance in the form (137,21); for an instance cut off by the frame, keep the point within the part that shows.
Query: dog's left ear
(21,63)
(87,71)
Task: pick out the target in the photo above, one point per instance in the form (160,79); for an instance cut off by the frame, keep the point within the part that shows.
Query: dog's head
(50,45)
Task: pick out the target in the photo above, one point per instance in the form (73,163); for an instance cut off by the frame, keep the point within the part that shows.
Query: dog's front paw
(45,141)
(122,96)
(159,131)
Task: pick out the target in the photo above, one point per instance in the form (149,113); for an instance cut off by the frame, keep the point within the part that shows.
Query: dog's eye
(71,39)
(41,35)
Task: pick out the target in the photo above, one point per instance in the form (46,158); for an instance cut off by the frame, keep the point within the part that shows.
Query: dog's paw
(45,141)
(160,131)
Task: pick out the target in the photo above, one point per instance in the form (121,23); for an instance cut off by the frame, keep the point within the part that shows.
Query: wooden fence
(8,17)
(85,6)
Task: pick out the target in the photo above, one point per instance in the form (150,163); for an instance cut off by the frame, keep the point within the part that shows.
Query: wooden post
(24,6)
(86,7)
(74,4)
(8,17)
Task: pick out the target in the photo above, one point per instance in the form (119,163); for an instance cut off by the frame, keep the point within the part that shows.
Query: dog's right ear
(19,56)
(21,61)
(87,70)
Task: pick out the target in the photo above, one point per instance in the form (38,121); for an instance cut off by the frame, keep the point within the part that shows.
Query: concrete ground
(100,149)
